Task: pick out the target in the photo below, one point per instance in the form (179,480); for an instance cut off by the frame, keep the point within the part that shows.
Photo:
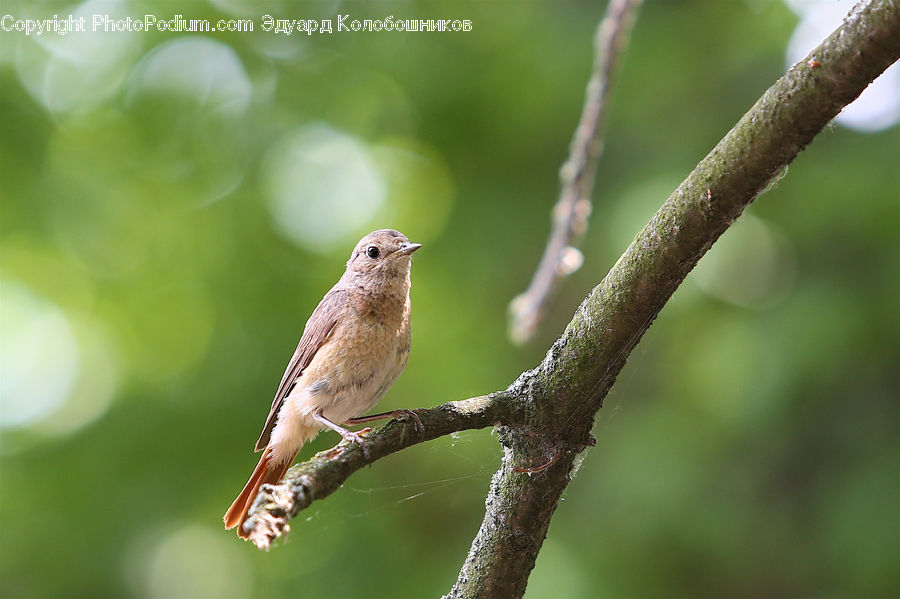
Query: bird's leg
(392,414)
(348,435)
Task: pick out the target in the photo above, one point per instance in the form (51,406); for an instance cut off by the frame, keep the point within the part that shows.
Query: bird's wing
(318,328)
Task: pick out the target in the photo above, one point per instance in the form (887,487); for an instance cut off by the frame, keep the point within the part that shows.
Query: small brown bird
(354,346)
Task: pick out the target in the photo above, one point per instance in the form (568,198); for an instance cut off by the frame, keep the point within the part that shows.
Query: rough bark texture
(326,471)
(545,417)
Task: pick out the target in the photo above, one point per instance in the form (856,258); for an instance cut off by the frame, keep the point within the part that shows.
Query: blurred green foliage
(174,206)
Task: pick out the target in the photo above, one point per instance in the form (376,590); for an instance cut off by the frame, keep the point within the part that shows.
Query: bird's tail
(266,471)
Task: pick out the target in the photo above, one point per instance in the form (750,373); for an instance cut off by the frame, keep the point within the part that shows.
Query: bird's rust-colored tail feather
(265,472)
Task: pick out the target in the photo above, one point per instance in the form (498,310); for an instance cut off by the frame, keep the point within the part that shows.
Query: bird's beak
(408,248)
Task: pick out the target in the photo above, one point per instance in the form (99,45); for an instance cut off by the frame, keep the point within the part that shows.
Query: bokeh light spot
(56,371)
(878,107)
(93,390)
(420,188)
(163,331)
(39,357)
(194,561)
(751,265)
(205,70)
(322,186)
(81,68)
(636,204)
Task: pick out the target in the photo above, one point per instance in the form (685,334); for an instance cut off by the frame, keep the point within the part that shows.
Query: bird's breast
(355,368)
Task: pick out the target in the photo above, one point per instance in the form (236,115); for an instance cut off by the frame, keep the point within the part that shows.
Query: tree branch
(546,415)
(326,471)
(573,207)
(566,390)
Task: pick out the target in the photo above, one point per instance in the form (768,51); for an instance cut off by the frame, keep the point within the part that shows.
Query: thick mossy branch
(767,138)
(326,471)
(568,388)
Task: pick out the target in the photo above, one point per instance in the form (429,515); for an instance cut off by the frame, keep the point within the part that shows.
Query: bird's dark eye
(372,252)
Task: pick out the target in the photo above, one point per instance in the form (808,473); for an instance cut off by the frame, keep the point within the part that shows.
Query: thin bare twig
(571,212)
